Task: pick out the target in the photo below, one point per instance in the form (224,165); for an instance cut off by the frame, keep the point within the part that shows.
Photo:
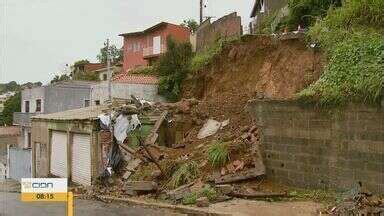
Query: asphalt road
(10,205)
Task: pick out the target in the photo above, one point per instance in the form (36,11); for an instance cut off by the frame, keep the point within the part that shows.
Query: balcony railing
(23,119)
(149,52)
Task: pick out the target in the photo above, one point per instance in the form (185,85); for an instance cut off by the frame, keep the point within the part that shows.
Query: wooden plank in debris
(156,128)
(243,175)
(141,185)
(151,140)
(180,192)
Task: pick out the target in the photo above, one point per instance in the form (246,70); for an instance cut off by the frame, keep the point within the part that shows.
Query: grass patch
(324,196)
(190,198)
(185,174)
(218,153)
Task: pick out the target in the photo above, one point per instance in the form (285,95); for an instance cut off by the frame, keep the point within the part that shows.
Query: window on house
(29,140)
(130,47)
(262,9)
(26,105)
(38,105)
(86,103)
(97,102)
(105,77)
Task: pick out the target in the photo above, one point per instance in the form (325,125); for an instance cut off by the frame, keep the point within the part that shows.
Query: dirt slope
(257,66)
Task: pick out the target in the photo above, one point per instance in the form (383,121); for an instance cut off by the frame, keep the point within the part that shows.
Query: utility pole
(109,72)
(201,11)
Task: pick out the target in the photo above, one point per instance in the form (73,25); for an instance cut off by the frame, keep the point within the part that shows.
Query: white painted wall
(124,91)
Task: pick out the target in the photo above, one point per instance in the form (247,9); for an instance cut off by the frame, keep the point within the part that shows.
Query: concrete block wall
(307,147)
(225,27)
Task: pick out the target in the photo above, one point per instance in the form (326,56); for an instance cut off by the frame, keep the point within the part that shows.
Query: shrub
(206,191)
(352,38)
(173,67)
(190,198)
(218,153)
(205,58)
(185,174)
(11,105)
(147,70)
(306,12)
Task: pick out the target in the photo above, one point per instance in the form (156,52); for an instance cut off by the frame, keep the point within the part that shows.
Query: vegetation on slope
(352,37)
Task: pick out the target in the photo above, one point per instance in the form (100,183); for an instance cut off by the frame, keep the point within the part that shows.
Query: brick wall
(307,147)
(208,33)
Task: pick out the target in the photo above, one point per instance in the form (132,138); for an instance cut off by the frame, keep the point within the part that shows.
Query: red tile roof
(135,79)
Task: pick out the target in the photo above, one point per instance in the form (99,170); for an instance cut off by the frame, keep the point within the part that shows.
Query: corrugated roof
(9,131)
(86,113)
(135,79)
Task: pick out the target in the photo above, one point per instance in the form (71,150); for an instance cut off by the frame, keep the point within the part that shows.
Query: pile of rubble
(358,202)
(181,172)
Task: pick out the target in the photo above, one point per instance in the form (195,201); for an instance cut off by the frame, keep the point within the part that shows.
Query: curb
(179,208)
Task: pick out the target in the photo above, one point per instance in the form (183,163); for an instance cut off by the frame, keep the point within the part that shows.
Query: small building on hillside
(66,144)
(50,99)
(85,68)
(124,85)
(143,47)
(71,144)
(103,72)
(262,8)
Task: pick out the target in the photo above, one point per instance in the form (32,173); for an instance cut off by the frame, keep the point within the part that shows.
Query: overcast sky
(38,37)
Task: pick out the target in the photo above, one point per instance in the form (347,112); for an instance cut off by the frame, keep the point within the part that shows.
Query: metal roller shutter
(59,153)
(81,159)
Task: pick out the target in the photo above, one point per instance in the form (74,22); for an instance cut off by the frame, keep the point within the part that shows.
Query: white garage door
(59,165)
(81,159)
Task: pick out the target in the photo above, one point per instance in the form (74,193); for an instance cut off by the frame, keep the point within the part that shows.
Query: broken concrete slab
(127,174)
(243,175)
(224,189)
(133,164)
(141,185)
(180,192)
(209,128)
(202,202)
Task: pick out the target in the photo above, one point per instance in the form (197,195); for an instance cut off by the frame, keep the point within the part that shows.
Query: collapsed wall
(307,147)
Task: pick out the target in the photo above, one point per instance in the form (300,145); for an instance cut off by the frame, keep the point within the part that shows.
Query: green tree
(173,67)
(59,78)
(86,76)
(306,12)
(13,104)
(115,53)
(79,62)
(191,24)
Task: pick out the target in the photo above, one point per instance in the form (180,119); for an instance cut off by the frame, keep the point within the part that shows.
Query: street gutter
(179,208)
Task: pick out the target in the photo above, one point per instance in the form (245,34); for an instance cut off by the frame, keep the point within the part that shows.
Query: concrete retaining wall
(307,147)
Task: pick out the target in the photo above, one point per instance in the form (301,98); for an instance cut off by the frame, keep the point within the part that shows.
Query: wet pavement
(10,205)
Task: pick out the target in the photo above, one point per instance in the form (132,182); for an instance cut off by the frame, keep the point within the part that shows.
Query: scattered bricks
(224,189)
(202,202)
(141,186)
